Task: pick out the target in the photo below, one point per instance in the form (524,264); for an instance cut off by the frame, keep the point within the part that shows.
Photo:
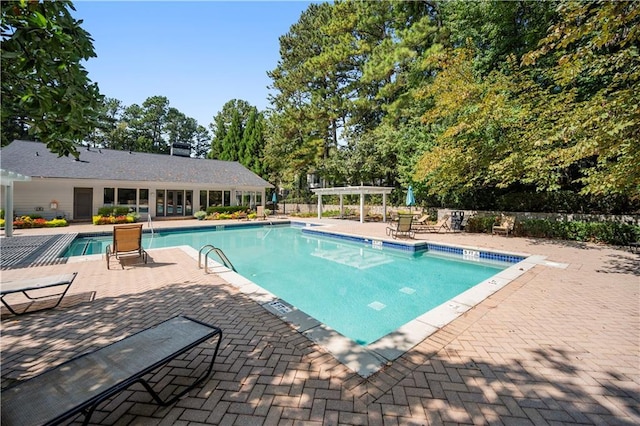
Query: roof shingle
(35,160)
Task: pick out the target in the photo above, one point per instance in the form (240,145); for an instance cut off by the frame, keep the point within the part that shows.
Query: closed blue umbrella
(274,198)
(411,199)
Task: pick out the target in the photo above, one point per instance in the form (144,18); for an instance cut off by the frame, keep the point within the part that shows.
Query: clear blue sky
(198,54)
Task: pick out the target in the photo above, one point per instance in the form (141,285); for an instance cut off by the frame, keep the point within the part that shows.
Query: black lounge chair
(31,289)
(81,384)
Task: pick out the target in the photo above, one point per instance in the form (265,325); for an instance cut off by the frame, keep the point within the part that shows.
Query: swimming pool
(358,288)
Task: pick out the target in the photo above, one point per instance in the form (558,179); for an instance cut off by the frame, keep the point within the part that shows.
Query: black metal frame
(89,406)
(34,298)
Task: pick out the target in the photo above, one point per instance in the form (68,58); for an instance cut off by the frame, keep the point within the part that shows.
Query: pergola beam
(354,190)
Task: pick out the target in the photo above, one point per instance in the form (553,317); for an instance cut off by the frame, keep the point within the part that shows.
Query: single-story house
(34,180)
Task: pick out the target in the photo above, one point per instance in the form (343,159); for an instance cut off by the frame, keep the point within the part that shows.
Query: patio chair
(422,220)
(127,243)
(442,224)
(505,226)
(260,212)
(402,228)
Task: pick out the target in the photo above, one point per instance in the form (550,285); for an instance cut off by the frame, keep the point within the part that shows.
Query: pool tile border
(417,246)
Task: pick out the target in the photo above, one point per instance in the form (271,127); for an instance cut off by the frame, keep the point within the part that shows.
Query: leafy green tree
(104,133)
(46,94)
(201,142)
(497,29)
(155,120)
(232,142)
(309,98)
(592,88)
(232,119)
(253,142)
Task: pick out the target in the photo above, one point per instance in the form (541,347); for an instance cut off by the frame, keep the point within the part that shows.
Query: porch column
(319,205)
(341,207)
(362,207)
(8,213)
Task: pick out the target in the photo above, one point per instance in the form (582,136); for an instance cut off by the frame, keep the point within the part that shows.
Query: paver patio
(559,345)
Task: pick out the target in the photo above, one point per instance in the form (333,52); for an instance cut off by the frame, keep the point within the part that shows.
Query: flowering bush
(112,220)
(38,222)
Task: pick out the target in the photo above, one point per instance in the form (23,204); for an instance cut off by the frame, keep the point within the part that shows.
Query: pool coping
(369,359)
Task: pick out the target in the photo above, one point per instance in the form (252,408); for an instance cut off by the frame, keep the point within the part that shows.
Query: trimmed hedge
(480,224)
(600,232)
(226,209)
(613,233)
(113,211)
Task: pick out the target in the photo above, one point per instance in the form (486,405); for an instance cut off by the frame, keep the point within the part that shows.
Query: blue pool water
(361,292)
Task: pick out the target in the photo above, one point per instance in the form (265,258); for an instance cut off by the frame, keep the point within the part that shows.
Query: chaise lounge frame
(81,384)
(403,227)
(32,286)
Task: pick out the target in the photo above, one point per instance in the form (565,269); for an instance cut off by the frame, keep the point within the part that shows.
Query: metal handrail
(219,252)
(269,231)
(150,224)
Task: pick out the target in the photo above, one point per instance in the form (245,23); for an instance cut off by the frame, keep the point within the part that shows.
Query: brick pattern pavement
(556,346)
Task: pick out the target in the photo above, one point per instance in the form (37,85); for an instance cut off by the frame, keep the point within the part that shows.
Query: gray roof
(35,160)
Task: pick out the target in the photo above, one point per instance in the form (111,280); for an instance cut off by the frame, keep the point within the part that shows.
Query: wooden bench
(507,223)
(81,384)
(31,287)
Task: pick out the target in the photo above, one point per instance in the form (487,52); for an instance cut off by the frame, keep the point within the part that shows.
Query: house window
(215,198)
(109,196)
(227,198)
(203,200)
(127,197)
(188,203)
(143,201)
(160,202)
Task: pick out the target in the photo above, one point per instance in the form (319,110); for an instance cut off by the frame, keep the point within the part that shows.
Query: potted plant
(200,215)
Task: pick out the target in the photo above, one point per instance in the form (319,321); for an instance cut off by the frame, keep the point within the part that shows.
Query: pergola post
(384,207)
(353,190)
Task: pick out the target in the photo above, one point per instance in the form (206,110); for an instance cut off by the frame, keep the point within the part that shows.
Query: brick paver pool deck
(558,345)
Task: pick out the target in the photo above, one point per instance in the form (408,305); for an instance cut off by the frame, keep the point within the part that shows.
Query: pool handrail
(219,252)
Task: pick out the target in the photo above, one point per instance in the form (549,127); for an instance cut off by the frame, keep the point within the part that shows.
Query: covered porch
(354,190)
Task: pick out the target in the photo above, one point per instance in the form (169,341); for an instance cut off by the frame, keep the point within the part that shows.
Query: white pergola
(354,190)
(6,179)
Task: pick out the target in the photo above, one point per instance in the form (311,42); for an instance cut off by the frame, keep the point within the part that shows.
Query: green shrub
(113,211)
(331,213)
(1,213)
(480,224)
(600,232)
(226,209)
(57,223)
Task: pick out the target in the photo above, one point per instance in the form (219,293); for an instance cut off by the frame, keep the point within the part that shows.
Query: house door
(82,203)
(175,203)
